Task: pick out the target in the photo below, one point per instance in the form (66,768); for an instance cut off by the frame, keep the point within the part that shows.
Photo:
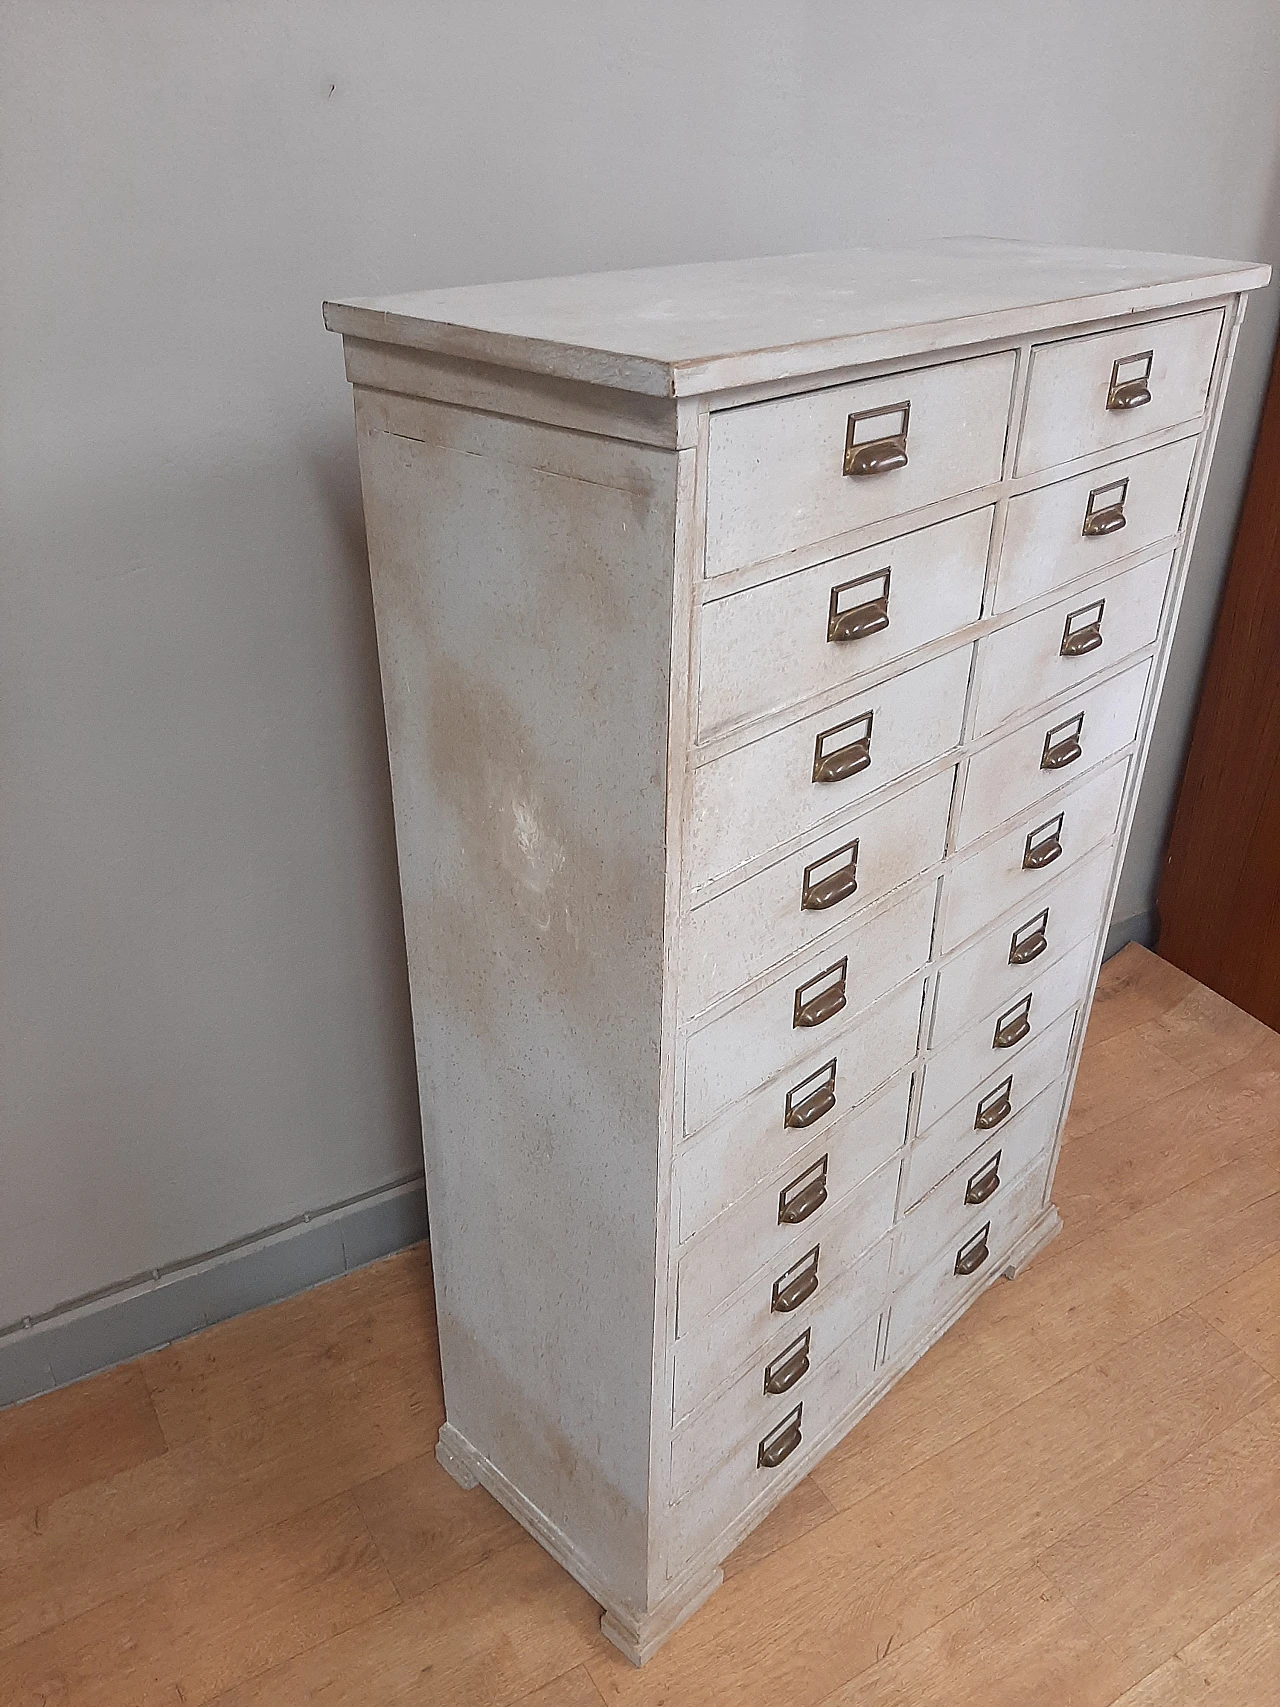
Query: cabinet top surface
(676,331)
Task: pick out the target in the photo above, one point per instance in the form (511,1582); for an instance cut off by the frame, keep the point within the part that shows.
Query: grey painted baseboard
(1141,927)
(142,1315)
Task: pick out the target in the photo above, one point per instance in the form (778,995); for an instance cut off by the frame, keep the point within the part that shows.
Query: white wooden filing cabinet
(769,652)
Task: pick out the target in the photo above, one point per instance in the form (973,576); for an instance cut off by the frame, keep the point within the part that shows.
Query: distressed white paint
(1019,665)
(983,976)
(760,1038)
(1045,545)
(974,1055)
(679,330)
(740,934)
(1068,409)
(767,647)
(715,1181)
(1011,773)
(993,878)
(935,1290)
(775,471)
(603,916)
(746,801)
(1023,1137)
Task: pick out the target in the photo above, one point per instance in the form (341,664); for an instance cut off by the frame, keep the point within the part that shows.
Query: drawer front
(781,1298)
(784,785)
(1000,1038)
(990,1106)
(1060,533)
(1025,766)
(814,1007)
(756,1136)
(711,1176)
(756,1400)
(1045,841)
(924,1301)
(1089,394)
(764,1463)
(1022,1137)
(776,475)
(982,1180)
(811,1190)
(778,644)
(1046,654)
(992,973)
(781,911)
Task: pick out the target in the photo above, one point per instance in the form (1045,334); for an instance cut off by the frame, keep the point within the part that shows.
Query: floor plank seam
(1068,1372)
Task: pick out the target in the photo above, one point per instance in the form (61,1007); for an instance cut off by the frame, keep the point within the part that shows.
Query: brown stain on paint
(542,869)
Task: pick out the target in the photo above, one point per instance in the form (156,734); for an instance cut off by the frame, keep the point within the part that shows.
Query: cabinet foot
(639,1639)
(1032,1242)
(453,1461)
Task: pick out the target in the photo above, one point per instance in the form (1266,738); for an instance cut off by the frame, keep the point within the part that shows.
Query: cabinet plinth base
(640,1639)
(449,1460)
(1032,1243)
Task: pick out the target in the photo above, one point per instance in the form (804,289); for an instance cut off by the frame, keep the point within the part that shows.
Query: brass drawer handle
(1129,376)
(1104,513)
(851,756)
(799,1282)
(1104,522)
(819,893)
(870,616)
(1029,941)
(985,1183)
(824,1003)
(996,1106)
(884,452)
(1043,845)
(1082,631)
(1062,744)
(1013,1026)
(807,1193)
(970,1257)
(812,1097)
(790,1366)
(779,1445)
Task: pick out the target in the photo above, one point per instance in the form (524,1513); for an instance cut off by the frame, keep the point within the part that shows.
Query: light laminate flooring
(1072,1501)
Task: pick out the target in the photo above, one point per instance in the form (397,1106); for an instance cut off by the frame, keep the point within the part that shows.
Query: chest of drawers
(769,652)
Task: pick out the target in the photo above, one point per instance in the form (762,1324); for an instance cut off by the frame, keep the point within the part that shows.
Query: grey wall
(204,1027)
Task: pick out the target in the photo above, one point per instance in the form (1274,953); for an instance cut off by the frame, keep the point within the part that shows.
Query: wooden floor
(1073,1500)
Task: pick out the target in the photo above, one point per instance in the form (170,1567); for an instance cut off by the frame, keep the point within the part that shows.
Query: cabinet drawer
(754,1136)
(711,1176)
(780,1299)
(1025,766)
(1107,388)
(809,1190)
(1059,533)
(1022,1137)
(981,1181)
(1000,1038)
(924,1301)
(998,1097)
(785,784)
(1044,842)
(992,973)
(775,645)
(806,896)
(1045,654)
(814,1007)
(756,1400)
(776,475)
(766,1463)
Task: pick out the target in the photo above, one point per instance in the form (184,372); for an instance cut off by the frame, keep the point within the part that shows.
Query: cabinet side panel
(523,583)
